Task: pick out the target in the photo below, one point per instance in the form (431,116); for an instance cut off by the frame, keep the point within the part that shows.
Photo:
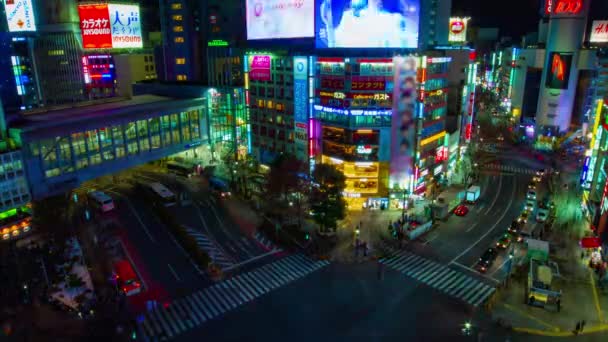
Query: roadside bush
(200,257)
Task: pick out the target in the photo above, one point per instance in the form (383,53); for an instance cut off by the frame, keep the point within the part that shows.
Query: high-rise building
(434,23)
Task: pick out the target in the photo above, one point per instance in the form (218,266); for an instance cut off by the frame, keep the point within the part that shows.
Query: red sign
(95,26)
(558,67)
(441,154)
(563,6)
(468,131)
(457,27)
(368,83)
(260,68)
(590,242)
(332,83)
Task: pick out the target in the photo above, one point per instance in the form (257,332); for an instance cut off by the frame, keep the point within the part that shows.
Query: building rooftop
(94,112)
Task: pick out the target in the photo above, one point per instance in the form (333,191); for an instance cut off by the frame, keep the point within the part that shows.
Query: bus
(160,193)
(101,201)
(181,169)
(126,279)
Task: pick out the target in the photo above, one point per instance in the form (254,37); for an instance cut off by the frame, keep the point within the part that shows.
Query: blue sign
(300,90)
(433,129)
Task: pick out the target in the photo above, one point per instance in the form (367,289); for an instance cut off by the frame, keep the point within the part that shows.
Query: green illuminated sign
(217,42)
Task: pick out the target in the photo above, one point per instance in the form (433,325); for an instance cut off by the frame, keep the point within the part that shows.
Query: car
(523,218)
(487,259)
(126,278)
(504,241)
(542,215)
(540,172)
(515,227)
(529,206)
(500,137)
(536,179)
(461,210)
(532,185)
(531,194)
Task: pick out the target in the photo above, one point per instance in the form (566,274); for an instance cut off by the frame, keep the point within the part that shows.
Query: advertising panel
(20,15)
(334,83)
(300,85)
(368,83)
(95,26)
(110,26)
(275,19)
(367,23)
(259,68)
(558,73)
(458,29)
(599,31)
(403,119)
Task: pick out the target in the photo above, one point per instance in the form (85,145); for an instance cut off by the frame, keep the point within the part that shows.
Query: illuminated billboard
(275,19)
(599,31)
(20,15)
(110,26)
(367,23)
(458,29)
(558,73)
(259,68)
(403,120)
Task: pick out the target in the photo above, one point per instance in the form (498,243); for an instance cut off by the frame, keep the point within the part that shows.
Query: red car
(126,278)
(461,210)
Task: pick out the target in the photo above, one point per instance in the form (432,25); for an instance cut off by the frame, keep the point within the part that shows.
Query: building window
(176,6)
(177,17)
(180,61)
(181,77)
(178,28)
(178,39)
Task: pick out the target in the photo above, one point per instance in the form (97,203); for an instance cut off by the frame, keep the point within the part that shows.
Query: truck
(539,291)
(472,194)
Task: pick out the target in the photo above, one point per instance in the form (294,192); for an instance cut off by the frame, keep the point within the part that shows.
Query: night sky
(514,17)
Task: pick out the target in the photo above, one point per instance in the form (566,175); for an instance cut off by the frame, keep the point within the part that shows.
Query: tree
(287,187)
(326,200)
(53,216)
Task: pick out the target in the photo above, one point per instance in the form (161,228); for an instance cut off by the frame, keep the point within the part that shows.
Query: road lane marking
(145,228)
(174,273)
(212,237)
(472,227)
(596,300)
(481,206)
(476,272)
(491,229)
(274,251)
(496,196)
(431,239)
(141,279)
(527,315)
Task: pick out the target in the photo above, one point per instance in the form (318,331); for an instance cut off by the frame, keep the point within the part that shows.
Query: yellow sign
(432,138)
(336,95)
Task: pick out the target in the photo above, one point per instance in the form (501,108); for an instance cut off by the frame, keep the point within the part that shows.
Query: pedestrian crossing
(162,323)
(509,168)
(265,242)
(440,277)
(215,253)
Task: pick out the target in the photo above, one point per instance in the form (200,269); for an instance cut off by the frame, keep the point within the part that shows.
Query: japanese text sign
(105,26)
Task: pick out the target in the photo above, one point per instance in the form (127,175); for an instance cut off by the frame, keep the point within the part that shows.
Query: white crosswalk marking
(440,277)
(511,168)
(264,241)
(186,313)
(215,253)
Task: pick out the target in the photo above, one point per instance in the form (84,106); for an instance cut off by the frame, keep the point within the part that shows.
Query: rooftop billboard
(110,26)
(367,23)
(276,19)
(20,15)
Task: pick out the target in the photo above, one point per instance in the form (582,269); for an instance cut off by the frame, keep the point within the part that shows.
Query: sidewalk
(581,300)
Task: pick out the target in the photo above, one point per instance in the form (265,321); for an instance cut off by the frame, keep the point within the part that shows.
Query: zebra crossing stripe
(445,275)
(295,269)
(218,309)
(191,320)
(147,328)
(474,290)
(305,264)
(195,312)
(270,275)
(398,259)
(161,319)
(245,290)
(421,262)
(236,291)
(225,301)
(408,263)
(466,287)
(197,303)
(483,296)
(169,310)
(255,288)
(425,271)
(208,309)
(285,276)
(454,278)
(461,286)
(439,269)
(258,275)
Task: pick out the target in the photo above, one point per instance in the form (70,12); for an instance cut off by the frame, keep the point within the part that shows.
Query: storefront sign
(259,68)
(364,149)
(599,31)
(368,83)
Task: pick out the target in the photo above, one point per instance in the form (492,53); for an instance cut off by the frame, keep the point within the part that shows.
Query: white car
(530,204)
(531,195)
(541,216)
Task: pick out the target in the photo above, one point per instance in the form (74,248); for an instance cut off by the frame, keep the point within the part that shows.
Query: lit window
(178,39)
(261,103)
(181,77)
(269,104)
(177,17)
(178,28)
(180,61)
(176,6)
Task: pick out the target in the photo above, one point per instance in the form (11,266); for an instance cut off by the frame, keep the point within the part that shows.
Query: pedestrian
(577,328)
(582,325)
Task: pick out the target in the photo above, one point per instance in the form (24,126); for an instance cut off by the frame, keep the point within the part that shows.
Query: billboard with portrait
(403,119)
(367,23)
(558,70)
(276,19)
(110,26)
(20,15)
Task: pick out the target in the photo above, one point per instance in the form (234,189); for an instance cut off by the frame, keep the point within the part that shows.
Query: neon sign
(564,7)
(364,149)
(354,112)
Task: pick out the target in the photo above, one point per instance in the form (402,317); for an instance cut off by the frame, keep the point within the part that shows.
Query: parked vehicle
(100,201)
(472,194)
(539,291)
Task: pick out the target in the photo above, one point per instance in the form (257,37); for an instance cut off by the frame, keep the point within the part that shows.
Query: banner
(403,120)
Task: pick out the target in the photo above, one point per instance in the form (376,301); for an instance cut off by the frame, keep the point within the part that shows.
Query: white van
(101,201)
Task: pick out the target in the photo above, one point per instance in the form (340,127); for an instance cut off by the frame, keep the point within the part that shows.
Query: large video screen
(367,23)
(110,26)
(558,73)
(275,19)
